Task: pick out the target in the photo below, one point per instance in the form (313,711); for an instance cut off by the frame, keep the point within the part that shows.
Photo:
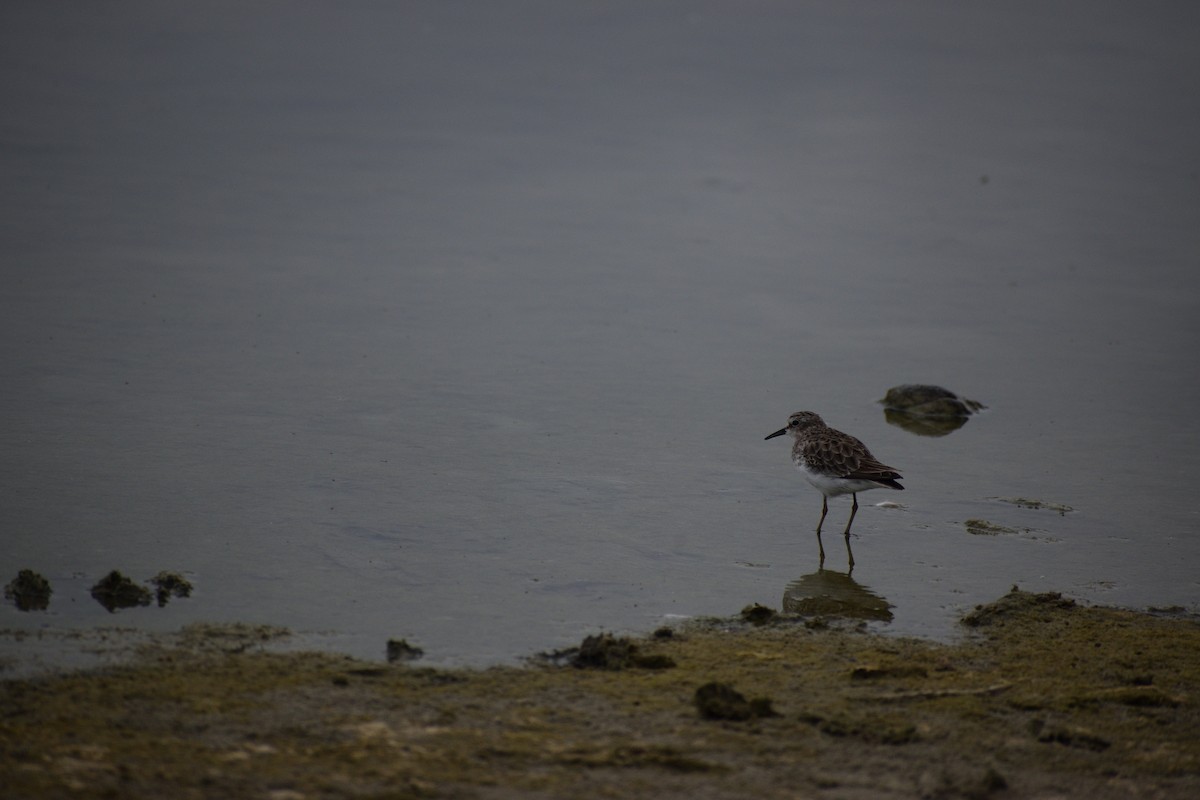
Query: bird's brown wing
(872,470)
(847,457)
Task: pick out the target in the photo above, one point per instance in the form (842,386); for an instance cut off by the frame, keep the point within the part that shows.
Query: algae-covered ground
(1043,698)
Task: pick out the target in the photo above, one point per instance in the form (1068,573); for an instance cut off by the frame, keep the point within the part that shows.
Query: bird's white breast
(832,486)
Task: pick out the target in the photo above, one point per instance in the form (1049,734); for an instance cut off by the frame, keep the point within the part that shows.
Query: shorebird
(835,463)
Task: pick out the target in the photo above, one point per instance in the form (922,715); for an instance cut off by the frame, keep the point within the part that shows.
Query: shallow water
(464,323)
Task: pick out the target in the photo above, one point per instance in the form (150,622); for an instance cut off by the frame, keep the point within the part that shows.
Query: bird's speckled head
(800,423)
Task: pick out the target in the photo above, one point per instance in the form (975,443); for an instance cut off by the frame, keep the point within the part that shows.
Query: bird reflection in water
(834,594)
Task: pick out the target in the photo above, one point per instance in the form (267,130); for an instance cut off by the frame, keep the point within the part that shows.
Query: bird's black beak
(779,432)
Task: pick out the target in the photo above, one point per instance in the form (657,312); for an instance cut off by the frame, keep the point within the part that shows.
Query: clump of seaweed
(982,527)
(115,591)
(605,651)
(170,584)
(29,590)
(401,650)
(1017,604)
(1041,505)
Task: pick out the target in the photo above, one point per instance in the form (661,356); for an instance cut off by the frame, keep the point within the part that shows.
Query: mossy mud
(1041,698)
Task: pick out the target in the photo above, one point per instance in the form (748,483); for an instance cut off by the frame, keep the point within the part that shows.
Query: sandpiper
(835,463)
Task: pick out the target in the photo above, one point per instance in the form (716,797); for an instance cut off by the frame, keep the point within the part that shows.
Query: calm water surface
(464,323)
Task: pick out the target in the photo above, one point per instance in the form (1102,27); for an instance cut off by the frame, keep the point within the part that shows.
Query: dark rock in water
(401,650)
(115,591)
(170,584)
(927,410)
(928,401)
(29,590)
(721,701)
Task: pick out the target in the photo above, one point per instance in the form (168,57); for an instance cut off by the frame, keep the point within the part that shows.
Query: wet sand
(1041,698)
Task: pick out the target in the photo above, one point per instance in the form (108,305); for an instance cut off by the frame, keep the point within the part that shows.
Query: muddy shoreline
(1045,698)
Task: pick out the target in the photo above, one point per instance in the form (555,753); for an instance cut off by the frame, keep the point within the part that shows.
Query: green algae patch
(1042,697)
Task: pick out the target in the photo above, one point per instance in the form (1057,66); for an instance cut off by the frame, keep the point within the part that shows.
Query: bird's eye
(794,423)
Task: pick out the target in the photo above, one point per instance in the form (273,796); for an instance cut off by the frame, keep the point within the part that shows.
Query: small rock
(927,410)
(928,401)
(170,584)
(115,591)
(401,650)
(1014,603)
(29,590)
(606,651)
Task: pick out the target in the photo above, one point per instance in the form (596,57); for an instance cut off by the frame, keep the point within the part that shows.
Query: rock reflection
(834,594)
(923,426)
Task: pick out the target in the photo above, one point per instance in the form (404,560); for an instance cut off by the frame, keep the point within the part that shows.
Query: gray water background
(464,322)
